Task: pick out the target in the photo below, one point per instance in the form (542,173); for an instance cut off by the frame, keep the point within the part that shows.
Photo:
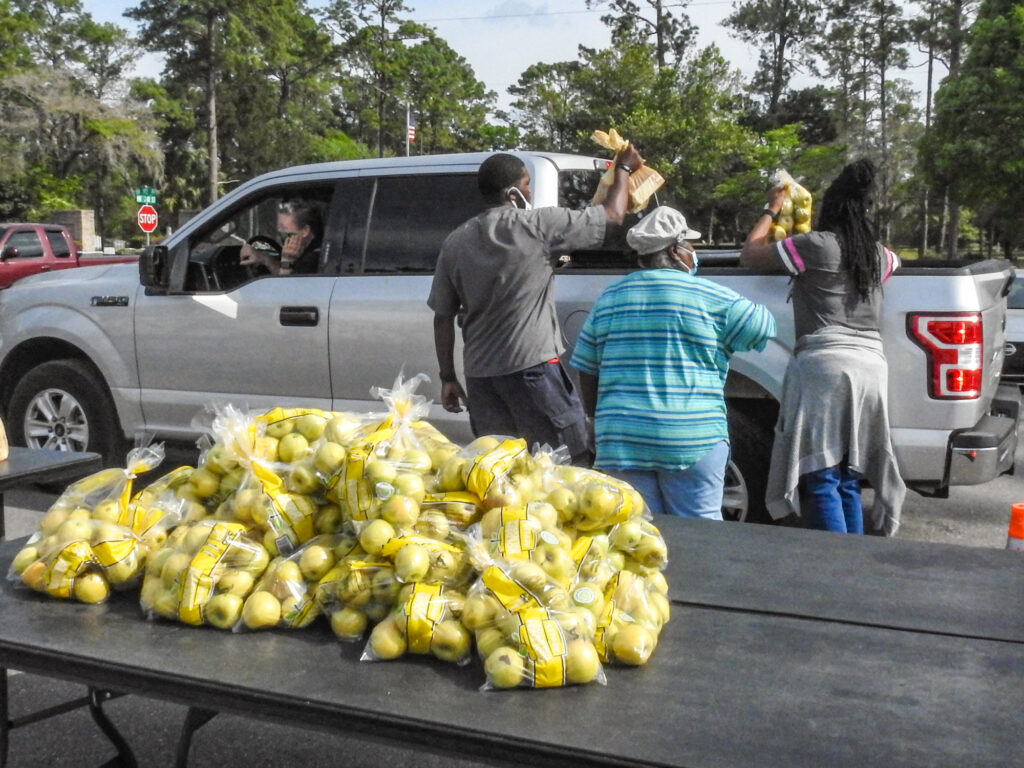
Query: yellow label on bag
(291,515)
(517,538)
(147,508)
(544,643)
(495,463)
(601,633)
(60,574)
(580,549)
(357,493)
(110,552)
(391,546)
(424,608)
(509,592)
(198,584)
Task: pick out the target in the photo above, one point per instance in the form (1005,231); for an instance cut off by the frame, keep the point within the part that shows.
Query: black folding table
(785,648)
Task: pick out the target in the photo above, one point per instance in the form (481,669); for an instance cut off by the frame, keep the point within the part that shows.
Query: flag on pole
(411,135)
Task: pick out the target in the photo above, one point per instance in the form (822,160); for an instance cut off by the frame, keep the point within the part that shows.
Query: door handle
(300,316)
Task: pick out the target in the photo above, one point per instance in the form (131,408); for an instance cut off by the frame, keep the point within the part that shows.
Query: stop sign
(147,218)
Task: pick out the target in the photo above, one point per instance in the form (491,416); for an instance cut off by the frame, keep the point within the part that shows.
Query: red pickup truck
(28,249)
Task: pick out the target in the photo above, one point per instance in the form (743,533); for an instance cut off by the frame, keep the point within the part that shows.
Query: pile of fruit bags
(400,539)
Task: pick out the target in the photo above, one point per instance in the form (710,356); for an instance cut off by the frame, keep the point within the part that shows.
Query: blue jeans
(830,500)
(692,492)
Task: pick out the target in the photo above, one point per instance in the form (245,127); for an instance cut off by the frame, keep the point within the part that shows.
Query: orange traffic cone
(1015,536)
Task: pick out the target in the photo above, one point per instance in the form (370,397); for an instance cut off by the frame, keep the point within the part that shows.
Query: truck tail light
(953,345)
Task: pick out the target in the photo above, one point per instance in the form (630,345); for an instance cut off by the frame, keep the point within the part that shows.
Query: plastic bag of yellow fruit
(587,500)
(394,461)
(202,574)
(81,558)
(286,594)
(357,592)
(643,182)
(425,621)
(528,532)
(795,214)
(528,632)
(104,495)
(163,504)
(309,446)
(634,610)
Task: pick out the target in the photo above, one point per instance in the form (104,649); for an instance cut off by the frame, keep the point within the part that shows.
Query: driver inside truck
(300,230)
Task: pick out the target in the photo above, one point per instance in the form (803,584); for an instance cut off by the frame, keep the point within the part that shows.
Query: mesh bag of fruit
(425,621)
(202,574)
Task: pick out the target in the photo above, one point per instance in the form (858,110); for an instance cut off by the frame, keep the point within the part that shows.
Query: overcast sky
(501,38)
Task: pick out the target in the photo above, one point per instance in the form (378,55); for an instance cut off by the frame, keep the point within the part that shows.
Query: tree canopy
(251,85)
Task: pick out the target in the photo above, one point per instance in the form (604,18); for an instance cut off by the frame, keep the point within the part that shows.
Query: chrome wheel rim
(736,498)
(56,420)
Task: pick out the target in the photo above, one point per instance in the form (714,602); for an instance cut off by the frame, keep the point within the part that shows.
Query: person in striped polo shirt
(653,356)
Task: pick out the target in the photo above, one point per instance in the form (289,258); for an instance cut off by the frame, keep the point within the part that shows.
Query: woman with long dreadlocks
(833,426)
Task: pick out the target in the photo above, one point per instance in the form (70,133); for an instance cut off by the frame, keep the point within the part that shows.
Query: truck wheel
(63,405)
(746,476)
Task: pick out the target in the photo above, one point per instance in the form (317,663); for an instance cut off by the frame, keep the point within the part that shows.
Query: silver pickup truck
(93,357)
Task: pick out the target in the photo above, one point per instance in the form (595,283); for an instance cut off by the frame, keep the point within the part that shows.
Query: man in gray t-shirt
(497,271)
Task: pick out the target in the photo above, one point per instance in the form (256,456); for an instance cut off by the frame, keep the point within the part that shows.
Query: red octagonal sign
(147,218)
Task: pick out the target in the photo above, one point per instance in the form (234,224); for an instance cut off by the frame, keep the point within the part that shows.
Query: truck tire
(65,405)
(746,476)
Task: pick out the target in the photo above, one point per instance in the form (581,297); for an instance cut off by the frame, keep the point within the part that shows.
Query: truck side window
(27,243)
(412,215)
(215,252)
(58,243)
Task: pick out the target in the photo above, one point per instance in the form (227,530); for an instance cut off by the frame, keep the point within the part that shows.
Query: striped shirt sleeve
(892,263)
(748,326)
(789,256)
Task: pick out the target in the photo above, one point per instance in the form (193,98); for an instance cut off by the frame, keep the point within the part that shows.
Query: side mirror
(10,252)
(153,267)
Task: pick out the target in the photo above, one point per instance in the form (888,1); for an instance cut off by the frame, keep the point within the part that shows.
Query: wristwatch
(773,214)
(624,167)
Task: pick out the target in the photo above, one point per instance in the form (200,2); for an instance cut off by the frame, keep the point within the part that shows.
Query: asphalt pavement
(976,516)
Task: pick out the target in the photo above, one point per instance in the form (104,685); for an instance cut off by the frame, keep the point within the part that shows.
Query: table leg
(5,721)
(195,719)
(125,756)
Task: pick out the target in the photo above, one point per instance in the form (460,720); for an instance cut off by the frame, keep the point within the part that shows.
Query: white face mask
(522,202)
(693,255)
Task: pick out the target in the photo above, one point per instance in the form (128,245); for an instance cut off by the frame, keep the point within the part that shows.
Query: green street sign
(145,195)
